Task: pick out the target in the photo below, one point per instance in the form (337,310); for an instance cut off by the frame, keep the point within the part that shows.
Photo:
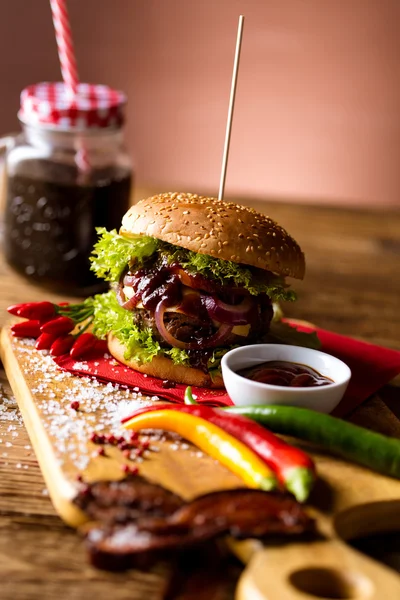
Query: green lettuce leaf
(140,344)
(109,316)
(223,270)
(113,252)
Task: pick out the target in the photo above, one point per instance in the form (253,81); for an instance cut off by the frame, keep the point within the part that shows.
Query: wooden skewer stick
(231,107)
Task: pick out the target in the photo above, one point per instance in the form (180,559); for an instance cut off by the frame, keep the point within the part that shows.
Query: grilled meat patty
(188,328)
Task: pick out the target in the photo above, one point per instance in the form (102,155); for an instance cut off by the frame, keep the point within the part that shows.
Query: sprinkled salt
(101,406)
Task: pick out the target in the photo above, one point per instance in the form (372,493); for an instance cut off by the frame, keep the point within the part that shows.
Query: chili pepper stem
(299,482)
(84,328)
(189,396)
(267,484)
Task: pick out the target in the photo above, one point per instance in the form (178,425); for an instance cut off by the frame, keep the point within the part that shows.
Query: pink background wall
(318,101)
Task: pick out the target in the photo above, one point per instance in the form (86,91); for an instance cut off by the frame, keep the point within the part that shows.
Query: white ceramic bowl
(244,391)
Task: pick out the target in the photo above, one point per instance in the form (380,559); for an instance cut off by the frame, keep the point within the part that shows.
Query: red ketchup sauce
(286,374)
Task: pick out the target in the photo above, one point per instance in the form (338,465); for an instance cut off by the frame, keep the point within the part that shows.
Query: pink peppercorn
(74,405)
(131,470)
(124,445)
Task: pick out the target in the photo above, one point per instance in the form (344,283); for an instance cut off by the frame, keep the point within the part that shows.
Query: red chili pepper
(26,329)
(37,310)
(45,341)
(101,346)
(84,343)
(62,345)
(59,326)
(15,308)
(294,468)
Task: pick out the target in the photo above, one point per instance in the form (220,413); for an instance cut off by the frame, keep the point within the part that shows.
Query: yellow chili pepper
(213,440)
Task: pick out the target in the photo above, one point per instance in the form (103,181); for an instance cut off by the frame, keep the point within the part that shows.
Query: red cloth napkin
(372,367)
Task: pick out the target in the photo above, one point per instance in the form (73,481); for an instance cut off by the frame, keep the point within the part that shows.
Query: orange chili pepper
(214,441)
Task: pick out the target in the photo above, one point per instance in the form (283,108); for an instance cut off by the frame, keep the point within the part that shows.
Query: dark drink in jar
(51,227)
(54,202)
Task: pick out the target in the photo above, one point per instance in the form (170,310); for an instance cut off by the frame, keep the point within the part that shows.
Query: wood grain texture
(351,287)
(361,500)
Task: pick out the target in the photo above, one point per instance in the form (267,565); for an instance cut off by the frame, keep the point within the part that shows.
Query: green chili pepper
(374,450)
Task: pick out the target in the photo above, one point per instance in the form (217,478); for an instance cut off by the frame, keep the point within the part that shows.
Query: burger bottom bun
(163,368)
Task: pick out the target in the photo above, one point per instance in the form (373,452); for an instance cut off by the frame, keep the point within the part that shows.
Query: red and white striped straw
(69,71)
(65,46)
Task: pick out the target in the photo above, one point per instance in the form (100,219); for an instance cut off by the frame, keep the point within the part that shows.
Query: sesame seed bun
(164,368)
(217,228)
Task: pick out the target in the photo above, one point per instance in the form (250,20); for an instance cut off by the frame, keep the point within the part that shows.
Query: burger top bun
(221,229)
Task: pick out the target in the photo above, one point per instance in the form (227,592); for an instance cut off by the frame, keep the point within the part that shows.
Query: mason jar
(67,173)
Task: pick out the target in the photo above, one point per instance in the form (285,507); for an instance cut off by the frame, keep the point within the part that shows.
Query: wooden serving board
(348,501)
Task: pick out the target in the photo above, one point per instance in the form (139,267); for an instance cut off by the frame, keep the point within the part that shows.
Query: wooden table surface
(352,286)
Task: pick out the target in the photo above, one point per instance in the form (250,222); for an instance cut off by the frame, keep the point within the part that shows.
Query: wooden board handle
(321,569)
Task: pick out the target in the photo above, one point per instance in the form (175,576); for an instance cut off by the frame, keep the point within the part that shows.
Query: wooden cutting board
(348,501)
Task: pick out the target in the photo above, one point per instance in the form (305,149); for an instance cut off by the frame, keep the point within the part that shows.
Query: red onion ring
(129,303)
(217,338)
(234,314)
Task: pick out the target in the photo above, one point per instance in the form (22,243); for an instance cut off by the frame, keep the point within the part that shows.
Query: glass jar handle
(6,143)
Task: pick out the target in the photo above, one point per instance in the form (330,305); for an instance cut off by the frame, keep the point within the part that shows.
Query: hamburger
(191,277)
